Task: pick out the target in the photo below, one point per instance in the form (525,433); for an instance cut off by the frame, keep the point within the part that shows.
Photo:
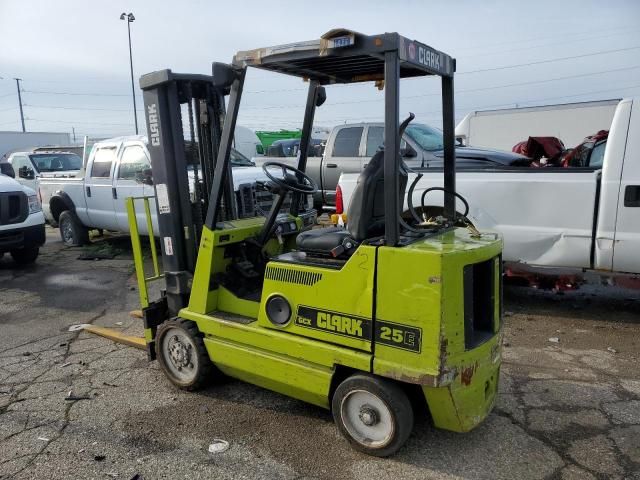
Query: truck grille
(256,201)
(14,208)
(480,294)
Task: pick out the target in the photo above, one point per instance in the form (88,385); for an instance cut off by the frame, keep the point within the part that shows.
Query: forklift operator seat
(365,216)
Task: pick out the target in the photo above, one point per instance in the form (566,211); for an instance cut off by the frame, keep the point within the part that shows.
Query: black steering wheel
(298,182)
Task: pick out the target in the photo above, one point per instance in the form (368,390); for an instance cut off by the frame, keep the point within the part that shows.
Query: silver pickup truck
(119,168)
(350,147)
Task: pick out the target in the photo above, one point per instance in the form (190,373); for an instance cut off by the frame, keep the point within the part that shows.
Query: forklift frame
(401,313)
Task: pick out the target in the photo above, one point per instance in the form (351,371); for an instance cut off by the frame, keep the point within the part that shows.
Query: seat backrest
(367,208)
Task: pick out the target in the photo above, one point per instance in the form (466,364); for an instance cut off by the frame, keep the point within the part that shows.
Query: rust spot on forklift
(425,379)
(467,374)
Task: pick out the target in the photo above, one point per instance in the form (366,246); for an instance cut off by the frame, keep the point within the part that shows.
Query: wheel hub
(66,230)
(368,415)
(179,353)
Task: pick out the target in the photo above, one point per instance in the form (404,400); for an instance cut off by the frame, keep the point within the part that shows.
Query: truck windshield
(239,160)
(56,162)
(428,138)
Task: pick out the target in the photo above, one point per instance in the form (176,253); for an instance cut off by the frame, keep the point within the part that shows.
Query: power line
(38,92)
(551,60)
(480,89)
(546,44)
(504,67)
(74,123)
(82,108)
(572,35)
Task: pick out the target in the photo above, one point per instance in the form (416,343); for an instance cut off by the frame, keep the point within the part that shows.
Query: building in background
(12,141)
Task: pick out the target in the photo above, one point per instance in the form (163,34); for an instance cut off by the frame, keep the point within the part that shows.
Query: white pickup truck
(21,221)
(30,166)
(584,217)
(350,147)
(119,168)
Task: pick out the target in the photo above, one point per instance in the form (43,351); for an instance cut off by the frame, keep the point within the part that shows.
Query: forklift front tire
(183,356)
(373,414)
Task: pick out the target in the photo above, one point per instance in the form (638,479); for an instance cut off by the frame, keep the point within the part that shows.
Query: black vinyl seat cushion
(365,218)
(321,240)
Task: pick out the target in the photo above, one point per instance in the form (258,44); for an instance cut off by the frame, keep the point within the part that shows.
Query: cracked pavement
(566,410)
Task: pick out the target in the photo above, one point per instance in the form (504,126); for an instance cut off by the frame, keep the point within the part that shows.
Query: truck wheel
(71,231)
(25,256)
(183,356)
(373,414)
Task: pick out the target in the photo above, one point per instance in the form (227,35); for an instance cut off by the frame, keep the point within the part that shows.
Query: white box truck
(502,129)
(12,141)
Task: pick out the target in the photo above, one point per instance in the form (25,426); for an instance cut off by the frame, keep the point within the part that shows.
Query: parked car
(29,166)
(290,147)
(585,215)
(21,220)
(350,147)
(119,168)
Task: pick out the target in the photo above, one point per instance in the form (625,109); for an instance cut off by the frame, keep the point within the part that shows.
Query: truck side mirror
(408,152)
(26,173)
(322,96)
(7,169)
(147,176)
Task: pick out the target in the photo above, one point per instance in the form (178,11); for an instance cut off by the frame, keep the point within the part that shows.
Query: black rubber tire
(72,232)
(394,398)
(25,256)
(206,372)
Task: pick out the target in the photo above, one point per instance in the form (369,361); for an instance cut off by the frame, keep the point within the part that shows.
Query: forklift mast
(183,168)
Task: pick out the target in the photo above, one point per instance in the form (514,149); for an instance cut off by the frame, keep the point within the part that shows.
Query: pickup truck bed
(587,217)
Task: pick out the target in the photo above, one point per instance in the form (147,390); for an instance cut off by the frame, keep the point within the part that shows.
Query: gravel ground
(567,410)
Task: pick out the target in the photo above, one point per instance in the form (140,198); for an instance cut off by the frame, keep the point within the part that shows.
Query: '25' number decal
(399,336)
(393,334)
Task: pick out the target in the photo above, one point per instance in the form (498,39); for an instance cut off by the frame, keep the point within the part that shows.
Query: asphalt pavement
(567,409)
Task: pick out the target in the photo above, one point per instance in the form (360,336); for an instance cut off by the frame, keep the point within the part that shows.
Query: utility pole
(73,129)
(20,103)
(130,18)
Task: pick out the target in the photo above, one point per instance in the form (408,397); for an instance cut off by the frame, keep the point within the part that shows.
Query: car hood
(8,184)
(60,174)
(248,175)
(243,175)
(496,156)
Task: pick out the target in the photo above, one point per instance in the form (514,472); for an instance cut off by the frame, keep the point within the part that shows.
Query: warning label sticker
(168,246)
(162,197)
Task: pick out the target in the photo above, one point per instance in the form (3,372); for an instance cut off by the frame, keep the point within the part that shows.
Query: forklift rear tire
(183,356)
(373,414)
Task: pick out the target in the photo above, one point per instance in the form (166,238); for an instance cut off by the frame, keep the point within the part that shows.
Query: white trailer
(12,141)
(246,142)
(502,129)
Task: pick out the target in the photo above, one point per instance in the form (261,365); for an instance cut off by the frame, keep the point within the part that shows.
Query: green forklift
(388,314)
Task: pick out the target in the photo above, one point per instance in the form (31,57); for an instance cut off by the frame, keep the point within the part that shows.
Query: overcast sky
(73,57)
